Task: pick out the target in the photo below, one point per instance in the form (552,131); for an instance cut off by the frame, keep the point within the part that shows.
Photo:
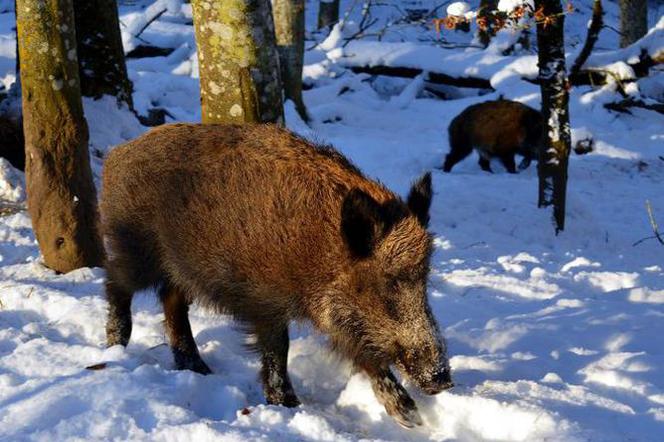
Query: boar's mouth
(430,377)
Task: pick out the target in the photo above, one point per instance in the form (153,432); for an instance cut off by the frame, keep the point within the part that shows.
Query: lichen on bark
(238,61)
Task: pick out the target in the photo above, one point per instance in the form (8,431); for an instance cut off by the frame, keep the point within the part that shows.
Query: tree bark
(554,155)
(633,21)
(238,61)
(61,195)
(102,67)
(486,12)
(328,13)
(289,28)
(596,24)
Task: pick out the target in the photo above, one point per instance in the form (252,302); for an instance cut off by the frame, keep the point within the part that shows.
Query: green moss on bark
(238,62)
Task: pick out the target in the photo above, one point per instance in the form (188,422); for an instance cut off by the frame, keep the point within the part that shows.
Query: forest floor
(550,337)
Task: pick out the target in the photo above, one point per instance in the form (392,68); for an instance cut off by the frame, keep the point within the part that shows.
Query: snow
(550,337)
(510,5)
(458,9)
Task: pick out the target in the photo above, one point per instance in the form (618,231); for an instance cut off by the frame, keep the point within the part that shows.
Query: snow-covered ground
(551,338)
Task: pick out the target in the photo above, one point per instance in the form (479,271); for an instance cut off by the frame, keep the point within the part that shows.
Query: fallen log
(624,106)
(432,77)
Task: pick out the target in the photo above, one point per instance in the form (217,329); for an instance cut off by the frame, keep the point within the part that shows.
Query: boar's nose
(442,380)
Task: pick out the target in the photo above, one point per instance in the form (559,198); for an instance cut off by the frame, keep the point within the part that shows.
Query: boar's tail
(460,144)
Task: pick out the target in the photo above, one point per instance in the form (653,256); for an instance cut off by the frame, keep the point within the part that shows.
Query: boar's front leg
(178,329)
(394,397)
(485,163)
(508,162)
(272,342)
(118,323)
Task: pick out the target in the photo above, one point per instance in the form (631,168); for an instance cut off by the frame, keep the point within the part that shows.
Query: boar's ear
(419,199)
(361,222)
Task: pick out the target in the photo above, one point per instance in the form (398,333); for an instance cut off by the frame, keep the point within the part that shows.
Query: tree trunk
(238,61)
(485,14)
(289,27)
(328,13)
(61,196)
(102,67)
(633,21)
(553,158)
(596,24)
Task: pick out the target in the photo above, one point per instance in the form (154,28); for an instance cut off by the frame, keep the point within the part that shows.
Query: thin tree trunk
(289,27)
(486,12)
(633,21)
(238,61)
(596,24)
(61,195)
(328,13)
(554,155)
(102,67)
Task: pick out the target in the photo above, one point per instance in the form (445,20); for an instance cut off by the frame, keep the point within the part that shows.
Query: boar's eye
(391,308)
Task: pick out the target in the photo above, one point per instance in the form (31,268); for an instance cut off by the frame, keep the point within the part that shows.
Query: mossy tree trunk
(633,21)
(102,67)
(554,155)
(61,195)
(238,61)
(328,13)
(289,27)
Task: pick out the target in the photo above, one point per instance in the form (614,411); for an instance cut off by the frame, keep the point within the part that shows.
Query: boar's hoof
(405,413)
(189,362)
(287,399)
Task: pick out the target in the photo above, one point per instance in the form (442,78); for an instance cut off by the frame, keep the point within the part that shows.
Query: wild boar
(499,128)
(12,146)
(255,222)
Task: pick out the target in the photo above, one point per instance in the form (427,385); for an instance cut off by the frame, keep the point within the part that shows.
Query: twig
(149,22)
(653,223)
(9,208)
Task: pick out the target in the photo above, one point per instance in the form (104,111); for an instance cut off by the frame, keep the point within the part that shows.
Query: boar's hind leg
(118,323)
(178,329)
(394,397)
(485,163)
(273,345)
(508,162)
(525,163)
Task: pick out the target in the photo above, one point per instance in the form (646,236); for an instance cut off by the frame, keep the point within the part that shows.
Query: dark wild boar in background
(255,222)
(501,129)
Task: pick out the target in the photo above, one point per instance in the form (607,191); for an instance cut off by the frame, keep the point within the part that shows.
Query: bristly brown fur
(258,223)
(499,128)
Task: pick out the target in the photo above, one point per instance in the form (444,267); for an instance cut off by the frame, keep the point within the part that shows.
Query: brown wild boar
(12,144)
(255,222)
(500,128)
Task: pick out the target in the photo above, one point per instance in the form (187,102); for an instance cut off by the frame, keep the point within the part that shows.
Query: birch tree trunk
(102,67)
(328,13)
(289,27)
(553,159)
(238,61)
(633,21)
(61,196)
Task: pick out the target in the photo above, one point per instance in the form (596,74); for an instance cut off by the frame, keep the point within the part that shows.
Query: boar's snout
(441,380)
(427,367)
